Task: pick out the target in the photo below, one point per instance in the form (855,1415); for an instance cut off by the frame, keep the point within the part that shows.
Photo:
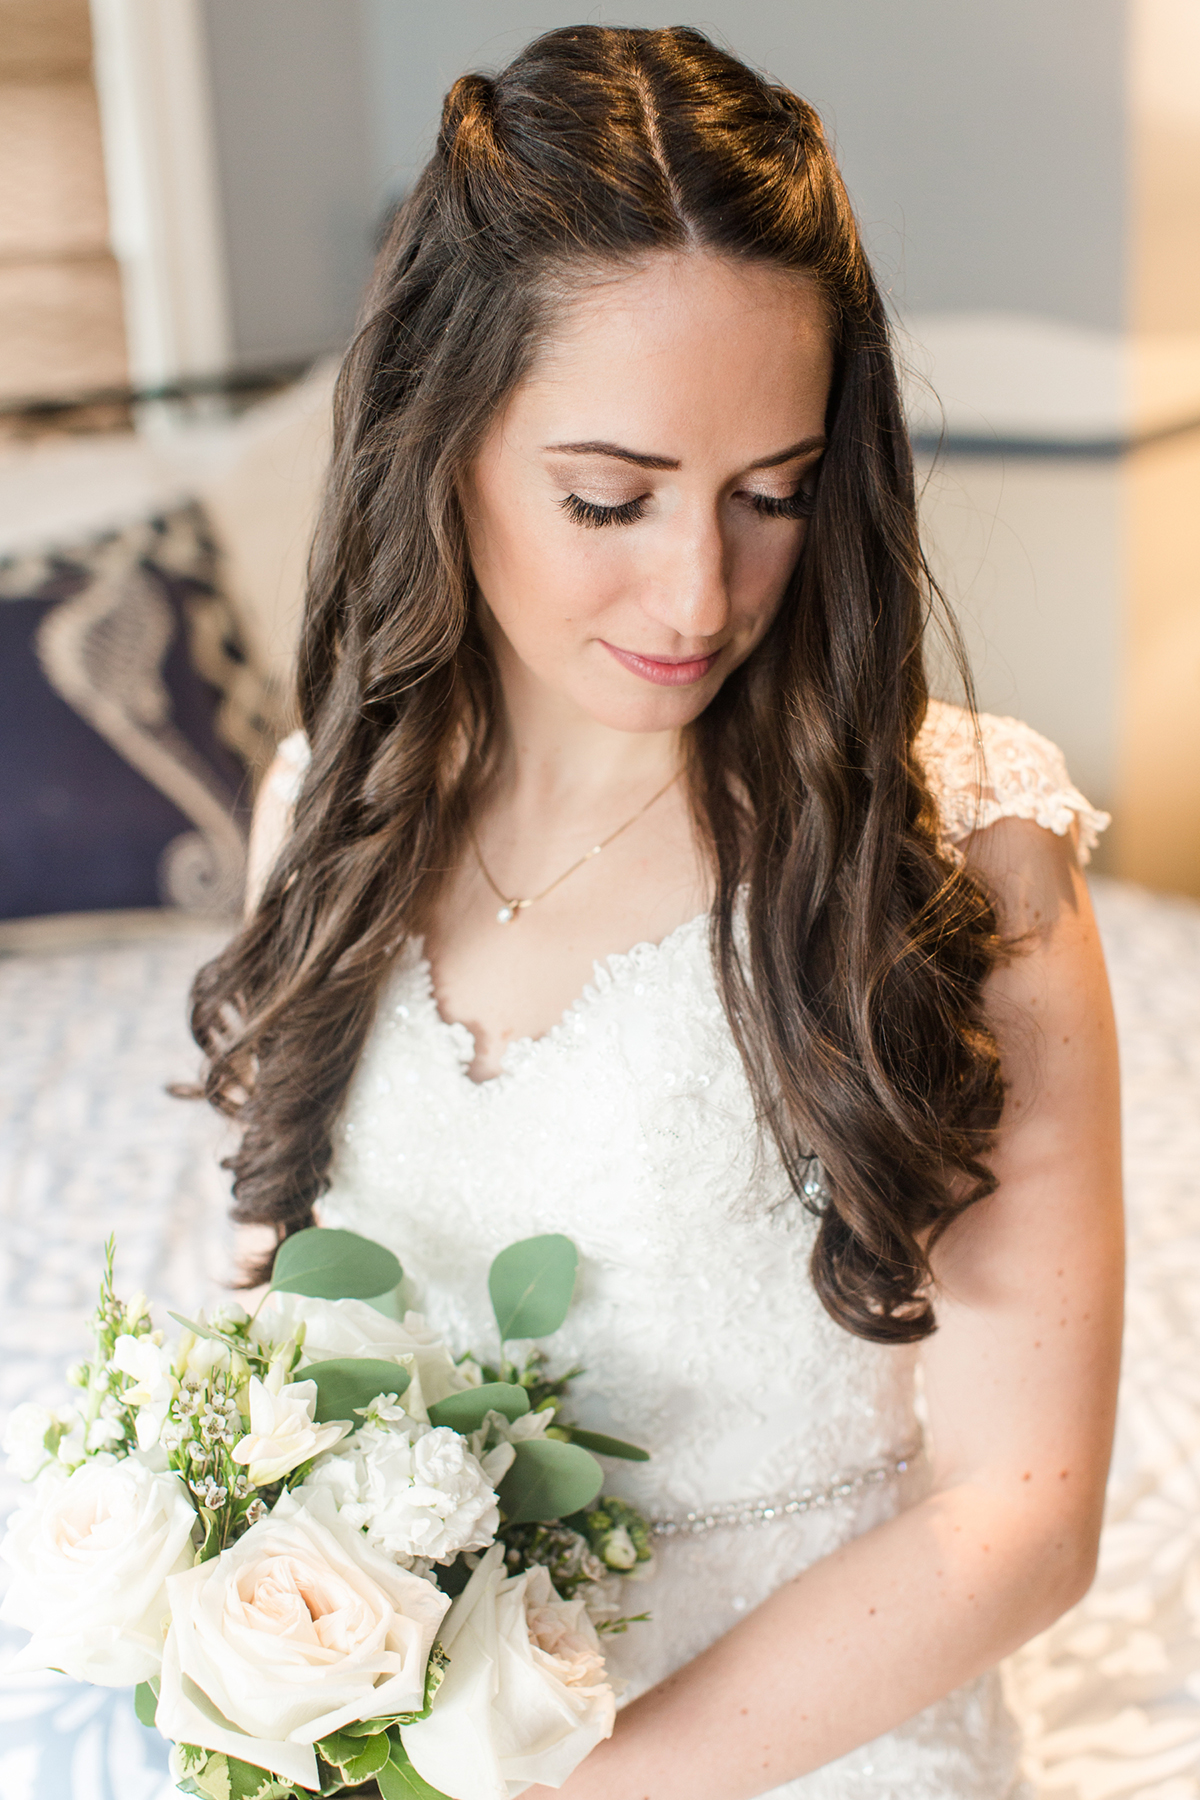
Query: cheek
(765,567)
(540,578)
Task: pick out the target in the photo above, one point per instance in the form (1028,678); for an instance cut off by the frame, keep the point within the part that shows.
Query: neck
(556,754)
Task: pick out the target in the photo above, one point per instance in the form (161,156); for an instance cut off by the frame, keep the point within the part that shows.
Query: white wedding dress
(630,1127)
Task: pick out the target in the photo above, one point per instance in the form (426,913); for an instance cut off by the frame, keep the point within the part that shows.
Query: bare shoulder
(273,808)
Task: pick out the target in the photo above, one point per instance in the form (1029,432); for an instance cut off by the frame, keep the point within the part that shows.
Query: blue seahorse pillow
(130,719)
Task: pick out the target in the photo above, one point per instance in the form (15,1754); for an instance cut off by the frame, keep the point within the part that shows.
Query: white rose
(352,1328)
(154,1386)
(89,1570)
(32,1437)
(525,1696)
(282,1434)
(416,1491)
(297,1629)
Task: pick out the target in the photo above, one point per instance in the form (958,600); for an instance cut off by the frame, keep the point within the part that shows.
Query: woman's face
(637,510)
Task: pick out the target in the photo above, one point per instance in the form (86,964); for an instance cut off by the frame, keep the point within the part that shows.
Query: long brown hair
(853,989)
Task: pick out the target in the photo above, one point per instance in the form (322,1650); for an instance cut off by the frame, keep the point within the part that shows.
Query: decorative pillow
(130,722)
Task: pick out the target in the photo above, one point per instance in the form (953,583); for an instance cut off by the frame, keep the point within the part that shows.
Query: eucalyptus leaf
(346,1384)
(466,1411)
(548,1480)
(398,1780)
(600,1445)
(334,1265)
(145,1703)
(531,1284)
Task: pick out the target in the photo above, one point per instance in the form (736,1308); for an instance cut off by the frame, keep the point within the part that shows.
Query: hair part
(851,953)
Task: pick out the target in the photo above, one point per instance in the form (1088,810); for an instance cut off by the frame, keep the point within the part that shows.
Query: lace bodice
(630,1127)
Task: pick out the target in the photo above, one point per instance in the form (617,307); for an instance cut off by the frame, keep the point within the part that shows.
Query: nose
(690,590)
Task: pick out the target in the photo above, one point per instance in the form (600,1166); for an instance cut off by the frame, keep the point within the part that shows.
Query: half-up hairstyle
(850,952)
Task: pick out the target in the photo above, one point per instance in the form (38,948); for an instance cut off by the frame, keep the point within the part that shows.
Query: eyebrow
(643,460)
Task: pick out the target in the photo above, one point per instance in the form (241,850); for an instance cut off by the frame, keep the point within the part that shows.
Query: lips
(664,671)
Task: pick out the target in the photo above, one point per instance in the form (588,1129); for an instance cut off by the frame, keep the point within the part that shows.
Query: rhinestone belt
(761,1512)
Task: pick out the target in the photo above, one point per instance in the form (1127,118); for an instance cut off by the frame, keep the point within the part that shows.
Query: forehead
(685,344)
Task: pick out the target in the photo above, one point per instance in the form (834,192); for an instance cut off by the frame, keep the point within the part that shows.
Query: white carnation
(416,1491)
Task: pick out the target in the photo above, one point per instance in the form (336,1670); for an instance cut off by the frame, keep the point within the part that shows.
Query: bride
(625,882)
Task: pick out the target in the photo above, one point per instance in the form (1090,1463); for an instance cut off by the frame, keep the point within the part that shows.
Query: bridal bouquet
(326,1551)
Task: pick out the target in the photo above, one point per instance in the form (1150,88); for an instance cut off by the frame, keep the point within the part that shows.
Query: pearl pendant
(504,915)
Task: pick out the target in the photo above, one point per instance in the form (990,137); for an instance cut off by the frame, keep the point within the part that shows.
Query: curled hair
(850,952)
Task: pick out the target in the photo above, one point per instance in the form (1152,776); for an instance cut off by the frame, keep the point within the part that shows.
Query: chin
(659,709)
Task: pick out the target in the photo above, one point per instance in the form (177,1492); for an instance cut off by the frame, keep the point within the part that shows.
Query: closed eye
(794,506)
(590,513)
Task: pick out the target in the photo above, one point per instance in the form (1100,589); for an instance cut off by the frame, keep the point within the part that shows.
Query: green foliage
(600,1445)
(548,1480)
(145,1703)
(348,1384)
(466,1411)
(531,1284)
(398,1780)
(355,1758)
(212,1775)
(334,1265)
(601,1525)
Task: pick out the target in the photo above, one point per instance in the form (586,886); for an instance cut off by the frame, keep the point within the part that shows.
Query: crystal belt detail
(762,1512)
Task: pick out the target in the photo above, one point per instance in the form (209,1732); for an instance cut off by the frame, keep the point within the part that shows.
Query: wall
(288,83)
(984,146)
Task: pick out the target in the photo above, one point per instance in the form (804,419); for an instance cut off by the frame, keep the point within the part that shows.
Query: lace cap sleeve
(273,813)
(1008,772)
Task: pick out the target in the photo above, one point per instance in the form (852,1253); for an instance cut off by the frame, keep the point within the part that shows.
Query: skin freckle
(1063,1473)
(1028,1475)
(871,1610)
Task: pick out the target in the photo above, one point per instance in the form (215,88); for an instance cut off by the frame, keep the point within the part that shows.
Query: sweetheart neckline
(609,972)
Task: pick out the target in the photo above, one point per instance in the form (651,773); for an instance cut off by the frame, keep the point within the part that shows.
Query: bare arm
(1020,1380)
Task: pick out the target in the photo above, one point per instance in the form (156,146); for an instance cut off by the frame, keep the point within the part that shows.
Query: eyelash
(591,515)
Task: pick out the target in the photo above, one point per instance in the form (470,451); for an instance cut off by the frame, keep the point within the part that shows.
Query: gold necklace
(511,906)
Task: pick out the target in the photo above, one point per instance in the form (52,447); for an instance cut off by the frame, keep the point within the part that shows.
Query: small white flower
(282,1434)
(503,1434)
(32,1437)
(416,1492)
(619,1550)
(102,1434)
(154,1386)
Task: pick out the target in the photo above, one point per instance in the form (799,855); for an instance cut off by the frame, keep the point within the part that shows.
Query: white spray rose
(89,1565)
(282,1434)
(416,1491)
(525,1696)
(154,1384)
(297,1629)
(352,1328)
